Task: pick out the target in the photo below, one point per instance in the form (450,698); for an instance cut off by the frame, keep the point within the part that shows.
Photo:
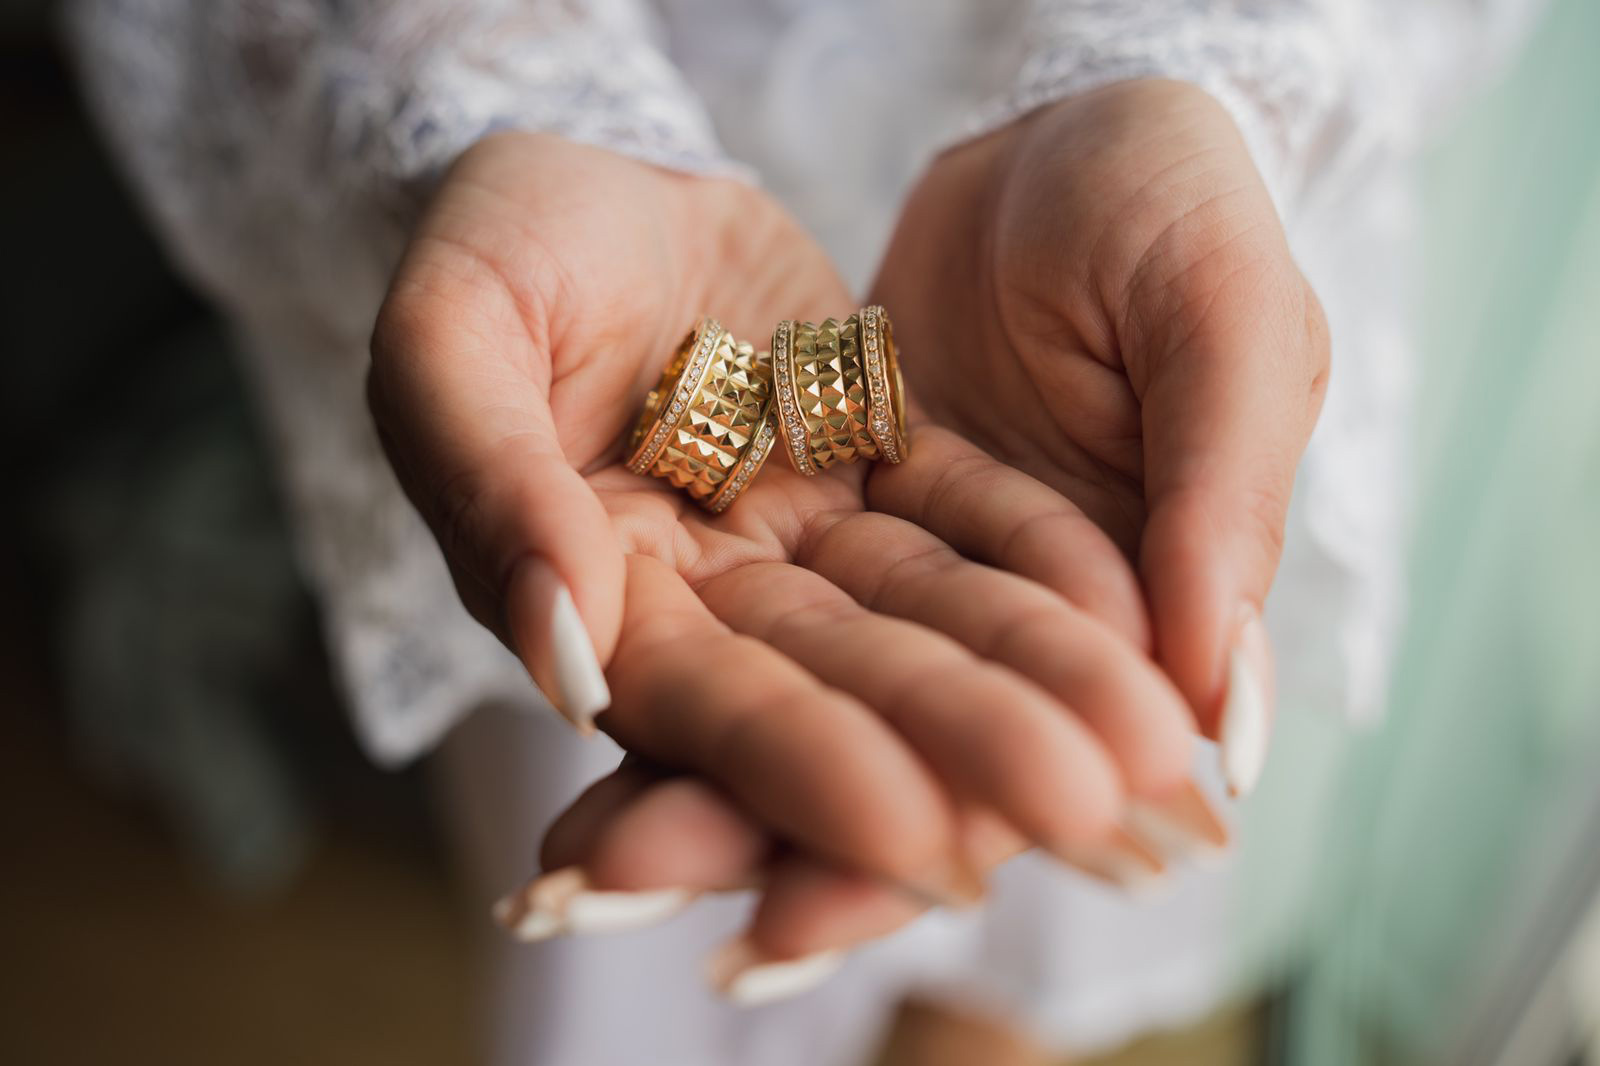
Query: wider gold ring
(703,427)
(749,465)
(664,406)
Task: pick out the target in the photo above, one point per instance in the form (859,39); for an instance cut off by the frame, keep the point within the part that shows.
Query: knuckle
(1252,512)
(1094,576)
(961,474)
(1159,764)
(393,323)
(1264,516)
(1024,632)
(456,511)
(903,844)
(1318,332)
(1095,807)
(1319,344)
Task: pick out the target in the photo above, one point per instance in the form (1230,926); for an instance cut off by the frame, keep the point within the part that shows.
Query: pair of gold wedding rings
(826,392)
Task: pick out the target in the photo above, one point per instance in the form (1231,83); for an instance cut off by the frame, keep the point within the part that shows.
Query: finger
(894,568)
(995,513)
(808,906)
(571,835)
(459,388)
(809,761)
(632,851)
(677,832)
(1236,376)
(992,736)
(810,913)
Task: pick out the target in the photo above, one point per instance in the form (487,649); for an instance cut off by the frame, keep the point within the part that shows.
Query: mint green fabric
(1381,891)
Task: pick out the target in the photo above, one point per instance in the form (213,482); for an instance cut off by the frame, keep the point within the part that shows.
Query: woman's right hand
(847,679)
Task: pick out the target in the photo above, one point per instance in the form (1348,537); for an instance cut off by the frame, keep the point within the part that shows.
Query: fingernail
(1247,713)
(743,975)
(1183,825)
(1121,861)
(552,640)
(956,886)
(561,903)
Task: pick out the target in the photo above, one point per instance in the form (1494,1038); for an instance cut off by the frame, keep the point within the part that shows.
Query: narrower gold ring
(862,444)
(829,392)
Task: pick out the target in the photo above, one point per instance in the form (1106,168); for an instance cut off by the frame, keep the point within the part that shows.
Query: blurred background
(201,868)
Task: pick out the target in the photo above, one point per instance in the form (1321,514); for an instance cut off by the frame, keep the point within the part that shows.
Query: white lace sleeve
(282,150)
(1312,84)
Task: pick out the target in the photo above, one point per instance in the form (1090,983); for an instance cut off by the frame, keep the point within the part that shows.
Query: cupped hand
(1102,295)
(850,681)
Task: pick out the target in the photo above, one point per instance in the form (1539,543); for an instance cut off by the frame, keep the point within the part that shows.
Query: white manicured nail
(1123,862)
(579,679)
(1247,713)
(561,903)
(957,885)
(553,642)
(1181,826)
(745,977)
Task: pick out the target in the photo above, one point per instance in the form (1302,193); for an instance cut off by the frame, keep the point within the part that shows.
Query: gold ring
(748,466)
(664,406)
(716,416)
(828,392)
(865,445)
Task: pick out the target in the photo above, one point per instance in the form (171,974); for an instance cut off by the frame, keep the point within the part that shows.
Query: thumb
(462,405)
(1227,413)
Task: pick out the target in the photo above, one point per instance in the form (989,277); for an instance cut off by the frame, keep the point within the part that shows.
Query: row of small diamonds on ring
(878,395)
(688,383)
(748,467)
(789,414)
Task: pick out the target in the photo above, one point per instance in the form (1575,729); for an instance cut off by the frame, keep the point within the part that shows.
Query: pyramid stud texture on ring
(749,465)
(720,422)
(832,393)
(828,393)
(680,383)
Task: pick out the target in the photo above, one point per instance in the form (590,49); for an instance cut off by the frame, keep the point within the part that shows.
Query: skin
(1101,296)
(852,707)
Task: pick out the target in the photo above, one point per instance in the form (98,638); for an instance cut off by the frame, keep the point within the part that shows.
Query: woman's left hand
(1102,295)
